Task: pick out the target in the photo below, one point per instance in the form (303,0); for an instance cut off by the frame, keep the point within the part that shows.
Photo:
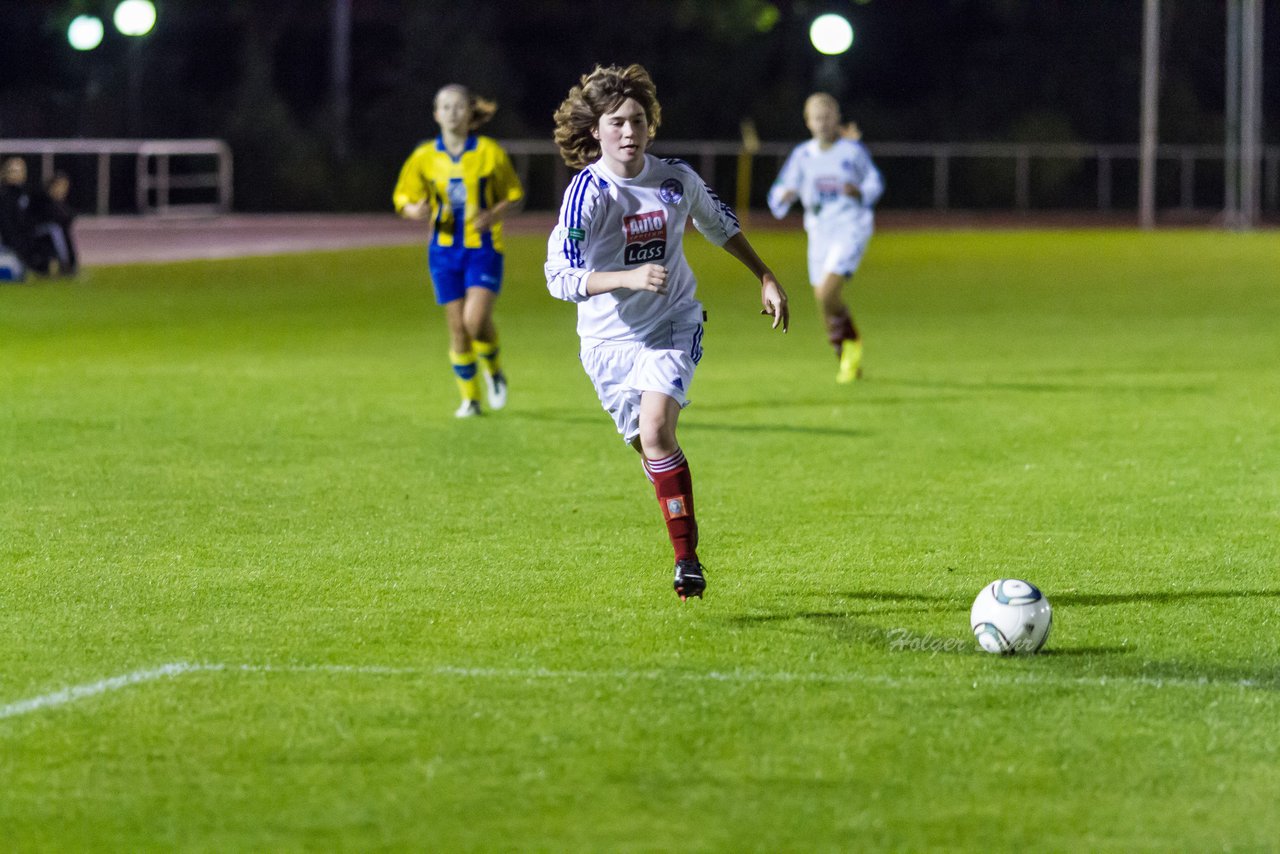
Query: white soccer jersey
(609,223)
(818,176)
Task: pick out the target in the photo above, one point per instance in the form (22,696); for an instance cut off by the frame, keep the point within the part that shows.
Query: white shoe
(497,384)
(468,409)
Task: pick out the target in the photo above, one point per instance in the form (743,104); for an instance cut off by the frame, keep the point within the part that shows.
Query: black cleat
(689,581)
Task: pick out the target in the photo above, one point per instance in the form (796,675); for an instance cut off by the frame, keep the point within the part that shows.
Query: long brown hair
(600,92)
(482,109)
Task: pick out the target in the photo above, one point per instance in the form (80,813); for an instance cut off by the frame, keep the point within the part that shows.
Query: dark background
(257,74)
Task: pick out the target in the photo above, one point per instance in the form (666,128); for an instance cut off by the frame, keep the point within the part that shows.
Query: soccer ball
(1011,616)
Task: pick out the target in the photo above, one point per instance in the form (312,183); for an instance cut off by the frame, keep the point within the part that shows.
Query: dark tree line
(257,73)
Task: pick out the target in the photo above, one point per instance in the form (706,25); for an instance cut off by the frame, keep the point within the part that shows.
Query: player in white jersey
(834,179)
(617,253)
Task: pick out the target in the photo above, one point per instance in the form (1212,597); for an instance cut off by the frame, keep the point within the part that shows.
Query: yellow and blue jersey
(458,188)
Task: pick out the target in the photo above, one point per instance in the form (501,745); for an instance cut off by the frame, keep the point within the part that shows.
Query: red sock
(674,487)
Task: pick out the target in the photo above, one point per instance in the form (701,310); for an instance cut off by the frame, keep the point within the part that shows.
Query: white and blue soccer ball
(1011,616)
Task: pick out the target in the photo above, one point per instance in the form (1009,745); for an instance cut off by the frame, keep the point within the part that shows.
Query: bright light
(135,17)
(831,34)
(85,32)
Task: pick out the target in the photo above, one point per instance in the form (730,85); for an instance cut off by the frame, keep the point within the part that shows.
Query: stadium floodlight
(85,32)
(831,34)
(135,17)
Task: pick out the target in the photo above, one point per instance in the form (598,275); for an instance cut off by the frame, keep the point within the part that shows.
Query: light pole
(1242,200)
(135,18)
(1150,99)
(1250,112)
(340,72)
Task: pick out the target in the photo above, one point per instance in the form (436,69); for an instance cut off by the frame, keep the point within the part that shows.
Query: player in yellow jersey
(464,184)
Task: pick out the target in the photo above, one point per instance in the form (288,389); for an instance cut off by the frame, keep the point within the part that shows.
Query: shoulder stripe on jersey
(581,183)
(573,248)
(724,207)
(573,215)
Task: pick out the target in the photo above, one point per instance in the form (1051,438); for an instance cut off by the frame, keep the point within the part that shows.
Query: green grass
(403,631)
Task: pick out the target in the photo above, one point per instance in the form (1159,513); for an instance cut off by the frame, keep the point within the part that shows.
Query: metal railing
(1012,165)
(194,176)
(202,171)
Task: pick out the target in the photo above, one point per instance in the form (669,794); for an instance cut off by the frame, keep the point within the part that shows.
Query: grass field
(261,591)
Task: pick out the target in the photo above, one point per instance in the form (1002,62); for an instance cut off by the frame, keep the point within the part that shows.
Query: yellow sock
(488,353)
(464,369)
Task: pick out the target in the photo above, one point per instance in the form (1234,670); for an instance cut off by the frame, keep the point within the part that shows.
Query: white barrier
(205,167)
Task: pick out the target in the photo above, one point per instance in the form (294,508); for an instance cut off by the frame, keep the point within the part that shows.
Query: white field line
(92,689)
(75,693)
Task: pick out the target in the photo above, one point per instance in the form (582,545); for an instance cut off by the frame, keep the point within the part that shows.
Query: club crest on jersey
(671,191)
(646,236)
(457,193)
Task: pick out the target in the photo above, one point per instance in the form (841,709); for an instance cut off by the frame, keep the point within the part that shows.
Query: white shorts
(621,371)
(835,254)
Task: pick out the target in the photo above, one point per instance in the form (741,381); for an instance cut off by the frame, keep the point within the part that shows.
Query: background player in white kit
(617,252)
(836,182)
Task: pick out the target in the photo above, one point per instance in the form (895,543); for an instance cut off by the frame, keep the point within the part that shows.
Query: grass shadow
(1084,651)
(1255,676)
(1043,387)
(844,433)
(850,400)
(1096,665)
(1092,664)
(844,625)
(695,424)
(892,596)
(1089,600)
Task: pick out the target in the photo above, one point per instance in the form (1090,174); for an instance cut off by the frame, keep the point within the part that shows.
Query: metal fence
(161,175)
(195,176)
(954,176)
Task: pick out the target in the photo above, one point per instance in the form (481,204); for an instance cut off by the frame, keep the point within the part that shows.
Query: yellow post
(750,145)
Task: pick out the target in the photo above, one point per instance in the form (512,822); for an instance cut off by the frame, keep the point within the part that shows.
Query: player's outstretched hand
(774,300)
(647,277)
(851,131)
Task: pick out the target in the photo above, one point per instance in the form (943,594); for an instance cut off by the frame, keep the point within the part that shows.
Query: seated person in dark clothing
(15,208)
(53,249)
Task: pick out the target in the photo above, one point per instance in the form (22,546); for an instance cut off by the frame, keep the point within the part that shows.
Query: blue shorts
(456,268)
